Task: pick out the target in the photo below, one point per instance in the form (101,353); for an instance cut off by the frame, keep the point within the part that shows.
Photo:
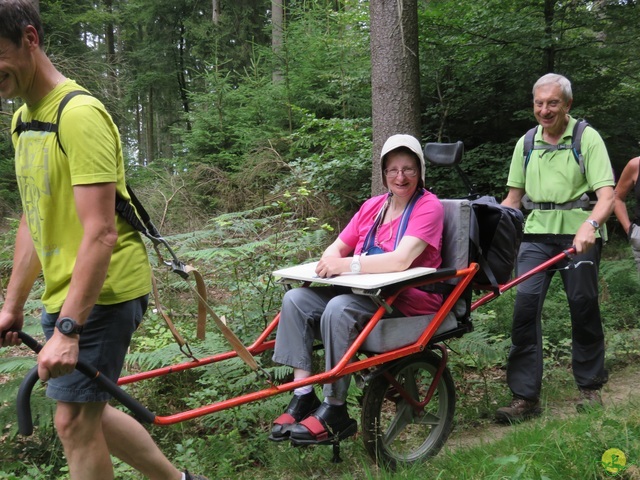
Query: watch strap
(355,264)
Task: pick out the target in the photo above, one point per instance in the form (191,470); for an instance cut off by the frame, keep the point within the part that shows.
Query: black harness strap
(38,126)
(63,103)
(34,125)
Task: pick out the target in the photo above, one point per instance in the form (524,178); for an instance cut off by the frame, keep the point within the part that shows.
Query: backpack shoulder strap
(63,103)
(576,141)
(529,139)
(37,125)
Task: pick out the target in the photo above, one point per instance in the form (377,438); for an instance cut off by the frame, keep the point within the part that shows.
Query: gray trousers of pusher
(524,369)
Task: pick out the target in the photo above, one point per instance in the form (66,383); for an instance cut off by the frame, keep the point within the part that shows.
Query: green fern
(16,364)
(481,349)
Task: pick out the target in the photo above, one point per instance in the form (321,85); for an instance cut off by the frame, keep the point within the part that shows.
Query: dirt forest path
(623,386)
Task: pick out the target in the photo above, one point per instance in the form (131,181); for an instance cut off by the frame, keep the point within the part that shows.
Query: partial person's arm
(334,261)
(26,268)
(514,198)
(586,235)
(95,208)
(625,184)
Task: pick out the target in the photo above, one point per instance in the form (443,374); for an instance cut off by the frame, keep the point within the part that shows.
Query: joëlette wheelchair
(409,394)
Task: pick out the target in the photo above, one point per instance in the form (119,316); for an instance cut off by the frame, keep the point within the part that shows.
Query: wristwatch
(68,326)
(355,264)
(593,223)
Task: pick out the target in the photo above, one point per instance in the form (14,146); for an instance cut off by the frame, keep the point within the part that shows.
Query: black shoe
(299,407)
(329,424)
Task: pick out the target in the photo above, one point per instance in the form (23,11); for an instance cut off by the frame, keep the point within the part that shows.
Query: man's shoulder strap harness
(136,215)
(37,125)
(575,146)
(529,146)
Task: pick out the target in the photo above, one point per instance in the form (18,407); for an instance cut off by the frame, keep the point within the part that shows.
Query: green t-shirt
(554,176)
(46,177)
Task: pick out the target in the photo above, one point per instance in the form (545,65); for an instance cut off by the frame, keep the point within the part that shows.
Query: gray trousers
(325,313)
(524,370)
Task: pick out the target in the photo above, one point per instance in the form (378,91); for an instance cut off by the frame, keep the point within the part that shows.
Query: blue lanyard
(369,240)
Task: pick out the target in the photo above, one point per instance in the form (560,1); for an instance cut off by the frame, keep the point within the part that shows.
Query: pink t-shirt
(425,223)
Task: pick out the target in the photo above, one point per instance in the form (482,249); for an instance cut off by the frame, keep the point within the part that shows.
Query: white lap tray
(365,281)
(389,333)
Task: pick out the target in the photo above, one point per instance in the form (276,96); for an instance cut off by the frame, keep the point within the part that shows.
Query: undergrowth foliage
(236,252)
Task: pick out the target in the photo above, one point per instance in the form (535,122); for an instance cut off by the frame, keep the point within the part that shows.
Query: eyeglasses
(394,172)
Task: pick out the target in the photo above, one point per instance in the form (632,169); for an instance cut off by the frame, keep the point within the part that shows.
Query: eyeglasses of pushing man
(394,172)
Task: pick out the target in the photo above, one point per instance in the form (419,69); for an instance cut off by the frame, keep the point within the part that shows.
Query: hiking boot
(299,407)
(191,476)
(589,399)
(519,409)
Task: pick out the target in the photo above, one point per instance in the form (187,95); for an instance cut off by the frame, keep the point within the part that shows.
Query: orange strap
(202,312)
(200,292)
(235,342)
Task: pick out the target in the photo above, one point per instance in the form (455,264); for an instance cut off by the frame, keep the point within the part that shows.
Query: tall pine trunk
(395,75)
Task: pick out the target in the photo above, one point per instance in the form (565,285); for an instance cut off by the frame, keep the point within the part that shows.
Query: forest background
(248,135)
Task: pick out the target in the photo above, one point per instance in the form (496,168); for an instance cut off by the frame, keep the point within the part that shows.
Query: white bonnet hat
(398,141)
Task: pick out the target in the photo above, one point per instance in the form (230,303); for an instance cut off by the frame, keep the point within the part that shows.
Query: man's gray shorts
(103,343)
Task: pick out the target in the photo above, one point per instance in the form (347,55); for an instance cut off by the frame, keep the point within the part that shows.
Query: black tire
(393,432)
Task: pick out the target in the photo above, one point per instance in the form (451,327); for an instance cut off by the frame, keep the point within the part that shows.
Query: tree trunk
(277,37)
(215,16)
(150,129)
(182,79)
(549,56)
(395,75)
(110,44)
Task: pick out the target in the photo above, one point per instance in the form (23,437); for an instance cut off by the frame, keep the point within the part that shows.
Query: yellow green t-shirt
(554,176)
(46,177)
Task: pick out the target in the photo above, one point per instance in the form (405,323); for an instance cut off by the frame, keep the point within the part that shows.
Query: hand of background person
(58,357)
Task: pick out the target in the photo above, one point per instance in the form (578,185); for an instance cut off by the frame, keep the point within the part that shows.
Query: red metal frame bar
(417,405)
(344,367)
(525,276)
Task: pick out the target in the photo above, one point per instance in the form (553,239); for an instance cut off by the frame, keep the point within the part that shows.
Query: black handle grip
(140,412)
(23,402)
(25,422)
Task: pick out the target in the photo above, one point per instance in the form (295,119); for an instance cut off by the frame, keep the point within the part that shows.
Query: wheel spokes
(402,418)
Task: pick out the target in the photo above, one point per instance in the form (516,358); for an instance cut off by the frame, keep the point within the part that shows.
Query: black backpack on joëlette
(496,233)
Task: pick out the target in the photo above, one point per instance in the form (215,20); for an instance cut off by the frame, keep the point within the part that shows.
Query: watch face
(355,266)
(67,326)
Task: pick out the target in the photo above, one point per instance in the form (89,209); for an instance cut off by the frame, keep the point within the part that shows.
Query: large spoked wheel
(399,431)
